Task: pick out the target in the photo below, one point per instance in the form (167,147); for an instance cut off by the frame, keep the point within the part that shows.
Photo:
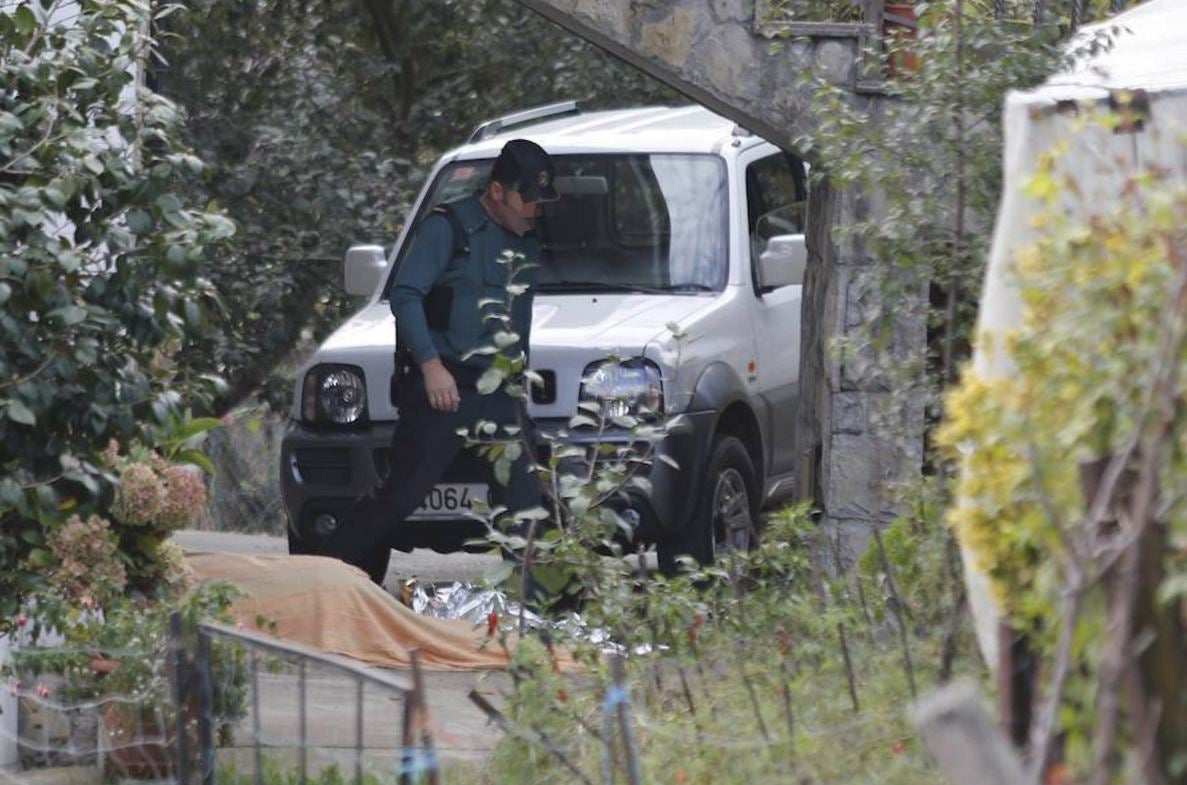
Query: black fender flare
(718,387)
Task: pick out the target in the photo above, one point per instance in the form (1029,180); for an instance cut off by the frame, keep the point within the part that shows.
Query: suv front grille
(547,393)
(324,465)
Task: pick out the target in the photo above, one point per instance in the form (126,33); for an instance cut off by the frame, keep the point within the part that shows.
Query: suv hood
(623,323)
(569,331)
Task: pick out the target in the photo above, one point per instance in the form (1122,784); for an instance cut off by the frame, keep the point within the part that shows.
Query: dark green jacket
(430,262)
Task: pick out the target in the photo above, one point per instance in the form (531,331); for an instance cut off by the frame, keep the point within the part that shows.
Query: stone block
(860,471)
(836,60)
(847,541)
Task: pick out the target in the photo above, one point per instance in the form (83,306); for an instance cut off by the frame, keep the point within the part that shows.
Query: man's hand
(440,386)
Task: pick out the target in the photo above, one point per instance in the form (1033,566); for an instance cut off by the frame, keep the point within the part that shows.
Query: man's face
(517,214)
(528,211)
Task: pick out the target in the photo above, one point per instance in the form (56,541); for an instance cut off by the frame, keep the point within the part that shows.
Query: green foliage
(921,553)
(1097,295)
(758,657)
(928,165)
(124,650)
(100,265)
(738,673)
(783,11)
(319,122)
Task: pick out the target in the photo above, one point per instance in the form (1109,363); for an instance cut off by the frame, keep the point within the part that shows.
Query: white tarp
(1149,53)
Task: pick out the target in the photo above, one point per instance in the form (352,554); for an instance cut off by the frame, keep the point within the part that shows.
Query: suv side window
(775,200)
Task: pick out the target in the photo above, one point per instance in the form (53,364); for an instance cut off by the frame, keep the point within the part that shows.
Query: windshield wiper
(599,286)
(689,287)
(635,288)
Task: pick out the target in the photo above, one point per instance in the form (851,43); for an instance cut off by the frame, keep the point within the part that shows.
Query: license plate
(451,499)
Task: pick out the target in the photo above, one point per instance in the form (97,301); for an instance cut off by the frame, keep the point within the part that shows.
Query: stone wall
(711,51)
(854,437)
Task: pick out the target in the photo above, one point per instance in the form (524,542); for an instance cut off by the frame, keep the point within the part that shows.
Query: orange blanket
(332,606)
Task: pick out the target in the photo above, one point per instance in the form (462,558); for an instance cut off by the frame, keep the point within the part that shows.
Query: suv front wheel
(726,514)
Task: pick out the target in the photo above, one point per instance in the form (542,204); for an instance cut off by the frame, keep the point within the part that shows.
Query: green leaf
(24,19)
(5,293)
(505,339)
(83,479)
(196,426)
(669,460)
(503,471)
(10,492)
(197,458)
(169,203)
(40,557)
(54,196)
(70,315)
(552,578)
(193,312)
(18,412)
(490,381)
(498,573)
(140,221)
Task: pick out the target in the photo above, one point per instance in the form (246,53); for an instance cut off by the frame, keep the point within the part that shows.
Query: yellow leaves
(1042,186)
(1094,294)
(1045,185)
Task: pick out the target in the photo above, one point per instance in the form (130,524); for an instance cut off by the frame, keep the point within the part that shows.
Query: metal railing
(193,675)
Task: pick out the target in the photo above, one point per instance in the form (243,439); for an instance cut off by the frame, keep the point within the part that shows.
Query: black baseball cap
(523,166)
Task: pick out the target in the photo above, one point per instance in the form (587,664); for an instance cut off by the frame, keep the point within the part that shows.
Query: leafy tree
(100,264)
(319,121)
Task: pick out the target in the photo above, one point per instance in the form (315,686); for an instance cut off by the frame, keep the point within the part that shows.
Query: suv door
(776,194)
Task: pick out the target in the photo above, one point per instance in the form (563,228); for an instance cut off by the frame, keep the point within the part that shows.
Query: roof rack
(494,127)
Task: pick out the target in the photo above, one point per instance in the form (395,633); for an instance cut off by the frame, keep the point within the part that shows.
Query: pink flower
(139,497)
(21,620)
(184,497)
(89,568)
(228,419)
(111,454)
(42,691)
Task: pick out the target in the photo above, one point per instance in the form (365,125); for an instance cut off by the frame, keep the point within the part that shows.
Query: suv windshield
(624,223)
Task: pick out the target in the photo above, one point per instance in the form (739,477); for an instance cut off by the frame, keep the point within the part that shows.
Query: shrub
(100,268)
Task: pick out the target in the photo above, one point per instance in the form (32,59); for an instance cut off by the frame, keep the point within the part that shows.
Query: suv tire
(726,514)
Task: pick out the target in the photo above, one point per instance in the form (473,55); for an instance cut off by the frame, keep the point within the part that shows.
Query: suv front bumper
(323,471)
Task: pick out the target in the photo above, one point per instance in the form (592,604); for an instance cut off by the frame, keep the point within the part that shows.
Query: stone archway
(721,54)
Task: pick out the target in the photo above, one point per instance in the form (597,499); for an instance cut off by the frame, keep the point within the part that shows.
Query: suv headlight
(624,387)
(334,394)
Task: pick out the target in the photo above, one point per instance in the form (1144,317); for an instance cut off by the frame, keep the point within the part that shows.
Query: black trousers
(424,444)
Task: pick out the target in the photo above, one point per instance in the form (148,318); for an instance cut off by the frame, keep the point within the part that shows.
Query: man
(450,268)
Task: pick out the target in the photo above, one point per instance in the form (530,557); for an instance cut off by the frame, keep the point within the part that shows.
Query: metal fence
(220,669)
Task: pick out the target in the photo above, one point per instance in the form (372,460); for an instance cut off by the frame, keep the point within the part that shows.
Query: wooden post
(1015,685)
(205,709)
(422,712)
(181,696)
(962,739)
(621,697)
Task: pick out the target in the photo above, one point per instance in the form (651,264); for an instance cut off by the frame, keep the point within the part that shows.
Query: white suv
(667,216)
